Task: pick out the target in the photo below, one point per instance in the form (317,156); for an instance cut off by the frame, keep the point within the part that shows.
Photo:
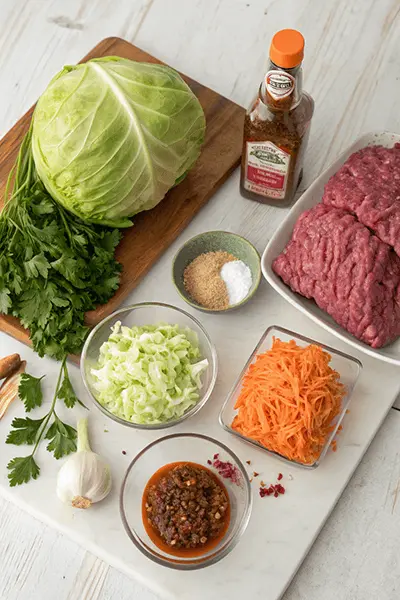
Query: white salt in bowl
(213,241)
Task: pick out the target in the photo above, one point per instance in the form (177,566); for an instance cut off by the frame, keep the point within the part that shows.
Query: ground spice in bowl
(203,282)
(217,280)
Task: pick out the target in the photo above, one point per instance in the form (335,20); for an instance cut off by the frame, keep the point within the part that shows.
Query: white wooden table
(352,69)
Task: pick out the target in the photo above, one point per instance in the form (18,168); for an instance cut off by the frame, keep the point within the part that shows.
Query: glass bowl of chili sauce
(185,501)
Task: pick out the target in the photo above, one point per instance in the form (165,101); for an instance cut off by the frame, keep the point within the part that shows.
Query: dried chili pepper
(275,490)
(226,470)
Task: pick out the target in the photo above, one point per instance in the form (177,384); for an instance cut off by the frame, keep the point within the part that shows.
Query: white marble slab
(281,530)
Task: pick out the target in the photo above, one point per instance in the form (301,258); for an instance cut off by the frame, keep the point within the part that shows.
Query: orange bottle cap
(287,48)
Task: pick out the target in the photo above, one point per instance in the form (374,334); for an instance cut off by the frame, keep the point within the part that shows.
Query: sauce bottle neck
(281,89)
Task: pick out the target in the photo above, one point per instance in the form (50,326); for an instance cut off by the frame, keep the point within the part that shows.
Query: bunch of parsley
(53,268)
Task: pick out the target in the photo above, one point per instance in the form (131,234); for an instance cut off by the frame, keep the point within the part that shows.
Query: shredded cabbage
(149,374)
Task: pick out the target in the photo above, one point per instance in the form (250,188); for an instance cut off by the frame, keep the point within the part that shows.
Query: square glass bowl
(348,367)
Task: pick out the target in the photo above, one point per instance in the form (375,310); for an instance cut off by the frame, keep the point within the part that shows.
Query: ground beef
(187,506)
(368,185)
(347,270)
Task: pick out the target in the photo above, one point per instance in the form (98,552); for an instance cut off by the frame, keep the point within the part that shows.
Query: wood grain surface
(153,231)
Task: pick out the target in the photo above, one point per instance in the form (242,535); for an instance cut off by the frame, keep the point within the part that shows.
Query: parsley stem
(51,411)
(67,229)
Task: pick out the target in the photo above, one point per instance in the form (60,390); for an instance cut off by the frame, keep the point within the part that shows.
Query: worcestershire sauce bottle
(277,126)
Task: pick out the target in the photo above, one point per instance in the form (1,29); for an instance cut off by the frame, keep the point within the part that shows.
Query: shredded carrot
(289,399)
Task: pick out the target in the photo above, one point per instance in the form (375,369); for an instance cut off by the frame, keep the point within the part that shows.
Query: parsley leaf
(66,392)
(71,268)
(37,265)
(34,305)
(79,239)
(22,469)
(44,208)
(111,240)
(62,438)
(5,300)
(30,391)
(25,431)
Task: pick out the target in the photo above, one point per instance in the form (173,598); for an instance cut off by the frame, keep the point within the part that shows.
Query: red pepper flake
(275,490)
(280,476)
(334,445)
(255,474)
(227,470)
(262,483)
(209,462)
(248,462)
(123,452)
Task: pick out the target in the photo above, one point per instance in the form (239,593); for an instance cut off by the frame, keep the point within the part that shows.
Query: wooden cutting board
(154,230)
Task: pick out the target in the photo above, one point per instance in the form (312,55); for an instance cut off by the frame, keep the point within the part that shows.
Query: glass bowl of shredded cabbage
(149,365)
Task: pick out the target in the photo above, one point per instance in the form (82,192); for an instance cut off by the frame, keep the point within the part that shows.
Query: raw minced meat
(344,253)
(368,185)
(347,270)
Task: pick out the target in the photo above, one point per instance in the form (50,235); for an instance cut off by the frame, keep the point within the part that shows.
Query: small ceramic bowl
(212,241)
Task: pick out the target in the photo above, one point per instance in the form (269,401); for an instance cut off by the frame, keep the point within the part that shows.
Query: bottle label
(267,169)
(279,84)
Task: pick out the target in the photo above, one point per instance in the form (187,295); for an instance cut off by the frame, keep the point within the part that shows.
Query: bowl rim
(255,284)
(194,410)
(197,562)
(242,373)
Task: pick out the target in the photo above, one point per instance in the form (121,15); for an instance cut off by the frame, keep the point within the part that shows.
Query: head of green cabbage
(111,136)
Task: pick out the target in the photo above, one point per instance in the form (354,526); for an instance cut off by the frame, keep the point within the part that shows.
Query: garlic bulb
(84,478)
